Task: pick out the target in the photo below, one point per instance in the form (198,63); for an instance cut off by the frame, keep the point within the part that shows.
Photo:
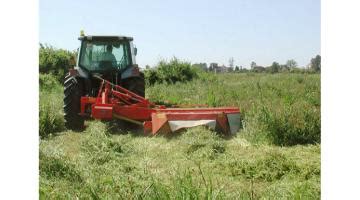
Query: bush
(54,61)
(171,72)
(48,82)
(151,77)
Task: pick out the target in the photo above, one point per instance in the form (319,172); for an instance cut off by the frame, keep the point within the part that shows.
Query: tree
(316,63)
(253,64)
(275,67)
(291,64)
(237,68)
(147,67)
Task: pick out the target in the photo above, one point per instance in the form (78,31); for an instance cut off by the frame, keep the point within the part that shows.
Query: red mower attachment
(114,101)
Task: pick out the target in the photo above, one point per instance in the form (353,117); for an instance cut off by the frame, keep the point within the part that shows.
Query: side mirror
(135,51)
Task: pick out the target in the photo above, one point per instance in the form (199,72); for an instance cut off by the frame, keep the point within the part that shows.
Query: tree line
(290,66)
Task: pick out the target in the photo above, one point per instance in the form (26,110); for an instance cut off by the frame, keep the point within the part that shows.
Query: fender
(83,76)
(79,72)
(132,71)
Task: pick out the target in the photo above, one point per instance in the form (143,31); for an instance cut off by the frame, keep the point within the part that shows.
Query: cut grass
(197,164)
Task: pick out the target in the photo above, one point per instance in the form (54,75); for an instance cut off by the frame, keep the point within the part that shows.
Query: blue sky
(197,31)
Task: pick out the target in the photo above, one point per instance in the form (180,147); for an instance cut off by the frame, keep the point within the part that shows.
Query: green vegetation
(51,118)
(54,61)
(276,155)
(195,164)
(171,72)
(282,109)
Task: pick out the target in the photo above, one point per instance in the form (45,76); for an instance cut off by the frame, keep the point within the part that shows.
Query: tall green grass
(282,109)
(51,118)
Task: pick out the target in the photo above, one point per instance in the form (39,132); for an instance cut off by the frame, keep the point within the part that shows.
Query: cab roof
(105,38)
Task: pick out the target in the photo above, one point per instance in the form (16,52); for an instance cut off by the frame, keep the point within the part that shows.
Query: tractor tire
(73,90)
(135,85)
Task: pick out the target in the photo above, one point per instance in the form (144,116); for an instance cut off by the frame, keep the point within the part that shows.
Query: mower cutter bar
(114,101)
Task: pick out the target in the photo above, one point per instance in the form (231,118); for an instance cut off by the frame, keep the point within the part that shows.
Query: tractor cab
(110,57)
(99,54)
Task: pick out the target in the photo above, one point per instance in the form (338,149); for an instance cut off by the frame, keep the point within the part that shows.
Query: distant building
(222,69)
(213,66)
(218,69)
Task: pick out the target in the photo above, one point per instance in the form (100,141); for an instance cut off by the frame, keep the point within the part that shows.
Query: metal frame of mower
(114,101)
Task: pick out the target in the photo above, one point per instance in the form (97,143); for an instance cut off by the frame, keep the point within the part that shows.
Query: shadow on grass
(177,134)
(165,103)
(175,105)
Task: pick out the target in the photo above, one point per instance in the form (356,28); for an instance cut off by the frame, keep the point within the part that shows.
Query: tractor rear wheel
(135,85)
(73,90)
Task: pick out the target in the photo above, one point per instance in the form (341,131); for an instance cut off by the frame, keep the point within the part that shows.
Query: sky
(207,31)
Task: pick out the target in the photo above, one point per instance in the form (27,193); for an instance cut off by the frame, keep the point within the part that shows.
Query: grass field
(276,155)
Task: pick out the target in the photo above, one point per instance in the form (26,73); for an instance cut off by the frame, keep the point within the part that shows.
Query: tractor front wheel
(135,85)
(73,90)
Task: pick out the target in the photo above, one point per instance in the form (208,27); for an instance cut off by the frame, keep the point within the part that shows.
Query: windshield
(105,55)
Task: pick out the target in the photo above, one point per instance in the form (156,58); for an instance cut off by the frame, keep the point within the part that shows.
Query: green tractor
(109,57)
